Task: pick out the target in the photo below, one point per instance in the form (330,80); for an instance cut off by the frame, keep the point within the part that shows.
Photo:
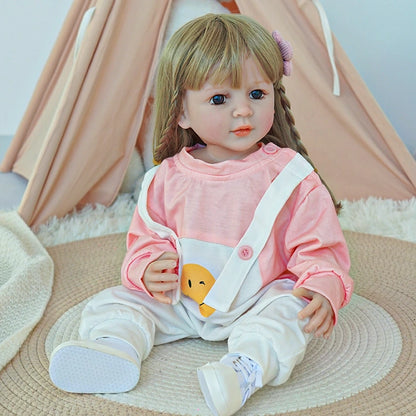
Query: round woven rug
(366,341)
(366,367)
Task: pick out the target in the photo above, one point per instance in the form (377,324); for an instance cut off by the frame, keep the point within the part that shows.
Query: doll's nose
(243,109)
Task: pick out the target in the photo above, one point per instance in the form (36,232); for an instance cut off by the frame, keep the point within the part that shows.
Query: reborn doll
(234,237)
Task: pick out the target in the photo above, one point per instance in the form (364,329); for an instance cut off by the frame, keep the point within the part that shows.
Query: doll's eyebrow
(263,83)
(212,89)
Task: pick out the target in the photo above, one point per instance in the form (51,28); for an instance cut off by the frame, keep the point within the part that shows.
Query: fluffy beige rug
(376,216)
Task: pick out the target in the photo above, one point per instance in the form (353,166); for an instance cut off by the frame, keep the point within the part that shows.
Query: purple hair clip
(286,52)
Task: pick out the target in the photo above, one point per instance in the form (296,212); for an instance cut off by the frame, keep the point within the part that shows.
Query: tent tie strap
(82,29)
(329,45)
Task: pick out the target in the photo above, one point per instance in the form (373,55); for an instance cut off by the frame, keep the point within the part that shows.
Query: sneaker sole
(85,367)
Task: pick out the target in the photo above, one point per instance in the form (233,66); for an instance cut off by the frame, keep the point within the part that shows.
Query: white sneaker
(93,367)
(226,385)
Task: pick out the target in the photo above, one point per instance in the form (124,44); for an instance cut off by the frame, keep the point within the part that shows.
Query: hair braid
(294,140)
(165,141)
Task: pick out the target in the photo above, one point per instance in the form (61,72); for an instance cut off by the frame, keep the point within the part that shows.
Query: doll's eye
(217,99)
(257,94)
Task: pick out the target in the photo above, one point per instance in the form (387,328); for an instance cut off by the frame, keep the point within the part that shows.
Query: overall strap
(244,255)
(161,230)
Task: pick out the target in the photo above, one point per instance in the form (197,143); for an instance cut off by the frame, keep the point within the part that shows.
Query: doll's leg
(264,346)
(117,331)
(273,338)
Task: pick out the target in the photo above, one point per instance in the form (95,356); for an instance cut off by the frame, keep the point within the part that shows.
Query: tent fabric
(76,137)
(89,111)
(348,137)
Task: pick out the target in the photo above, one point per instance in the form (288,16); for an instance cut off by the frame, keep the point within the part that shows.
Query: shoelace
(248,371)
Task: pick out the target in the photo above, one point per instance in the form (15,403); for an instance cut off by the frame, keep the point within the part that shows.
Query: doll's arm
(319,254)
(144,248)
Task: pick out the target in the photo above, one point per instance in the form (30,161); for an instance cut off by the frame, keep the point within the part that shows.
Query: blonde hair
(215,46)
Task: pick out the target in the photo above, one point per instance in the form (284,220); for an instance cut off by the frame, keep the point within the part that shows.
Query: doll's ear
(184,120)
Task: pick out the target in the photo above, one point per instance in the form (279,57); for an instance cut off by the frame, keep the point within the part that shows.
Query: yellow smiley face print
(196,282)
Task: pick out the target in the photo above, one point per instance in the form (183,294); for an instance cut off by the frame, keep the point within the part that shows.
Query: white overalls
(230,301)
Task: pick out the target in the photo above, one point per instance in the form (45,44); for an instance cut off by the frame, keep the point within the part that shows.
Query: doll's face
(230,121)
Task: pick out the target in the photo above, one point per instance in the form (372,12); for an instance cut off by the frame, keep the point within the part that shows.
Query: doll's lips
(242,131)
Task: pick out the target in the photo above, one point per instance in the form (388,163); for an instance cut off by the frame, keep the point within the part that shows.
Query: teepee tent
(92,105)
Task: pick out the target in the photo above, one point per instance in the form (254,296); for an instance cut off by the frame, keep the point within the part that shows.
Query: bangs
(217,47)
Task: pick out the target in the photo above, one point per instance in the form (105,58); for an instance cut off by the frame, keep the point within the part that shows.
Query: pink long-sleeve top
(215,203)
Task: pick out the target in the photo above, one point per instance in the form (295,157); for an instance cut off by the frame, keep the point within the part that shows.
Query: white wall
(378,35)
(28,29)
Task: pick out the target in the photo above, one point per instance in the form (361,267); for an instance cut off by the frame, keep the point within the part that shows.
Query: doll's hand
(319,310)
(159,276)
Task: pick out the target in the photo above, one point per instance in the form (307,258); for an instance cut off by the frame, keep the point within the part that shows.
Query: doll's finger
(314,323)
(301,292)
(309,309)
(159,266)
(161,286)
(320,319)
(329,331)
(169,255)
(162,298)
(154,277)
(323,327)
